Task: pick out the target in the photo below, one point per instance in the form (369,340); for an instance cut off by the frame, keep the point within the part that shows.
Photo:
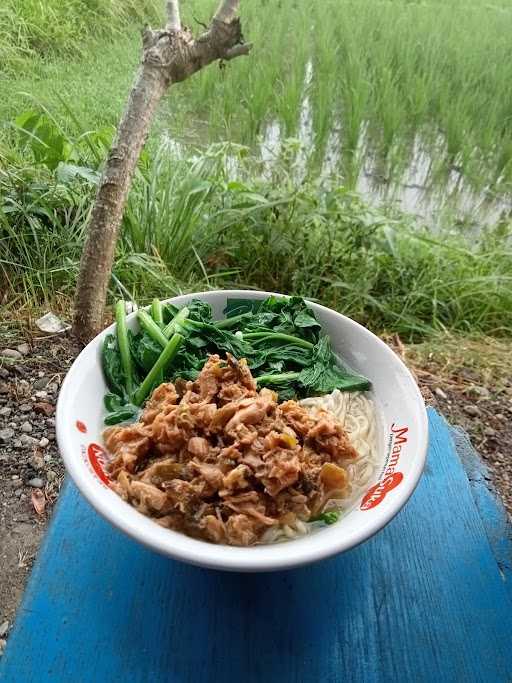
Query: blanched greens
(134,364)
(280,338)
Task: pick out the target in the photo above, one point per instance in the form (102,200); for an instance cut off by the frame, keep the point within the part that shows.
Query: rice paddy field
(375,134)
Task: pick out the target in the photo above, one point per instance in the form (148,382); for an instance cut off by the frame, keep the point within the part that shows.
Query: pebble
(44,442)
(47,457)
(440,393)
(16,443)
(44,408)
(6,434)
(53,388)
(489,431)
(11,353)
(3,643)
(51,475)
(4,373)
(24,349)
(5,411)
(41,394)
(27,440)
(472,410)
(25,407)
(4,627)
(37,462)
(483,392)
(23,388)
(500,416)
(15,476)
(41,382)
(4,388)
(26,427)
(36,482)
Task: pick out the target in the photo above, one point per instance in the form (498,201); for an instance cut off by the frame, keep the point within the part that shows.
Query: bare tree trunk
(169,56)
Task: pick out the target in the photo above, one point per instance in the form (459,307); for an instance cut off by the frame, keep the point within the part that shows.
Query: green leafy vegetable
(112,366)
(322,375)
(126,413)
(259,337)
(161,364)
(329,517)
(112,402)
(236,307)
(200,311)
(275,314)
(280,338)
(145,350)
(213,339)
(176,320)
(325,373)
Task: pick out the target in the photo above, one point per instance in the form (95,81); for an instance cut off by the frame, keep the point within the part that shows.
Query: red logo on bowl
(390,478)
(81,427)
(377,493)
(98,459)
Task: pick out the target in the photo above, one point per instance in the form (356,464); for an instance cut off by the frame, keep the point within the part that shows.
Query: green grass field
(382,75)
(390,69)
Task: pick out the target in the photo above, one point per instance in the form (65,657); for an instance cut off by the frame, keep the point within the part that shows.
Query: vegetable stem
(279,336)
(229,322)
(161,363)
(150,326)
(156,311)
(180,316)
(124,348)
(157,314)
(277,378)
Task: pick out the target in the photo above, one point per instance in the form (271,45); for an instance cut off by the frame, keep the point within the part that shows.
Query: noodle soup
(399,429)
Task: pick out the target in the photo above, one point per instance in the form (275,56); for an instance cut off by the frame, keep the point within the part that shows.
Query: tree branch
(237,51)
(169,56)
(227,11)
(173,15)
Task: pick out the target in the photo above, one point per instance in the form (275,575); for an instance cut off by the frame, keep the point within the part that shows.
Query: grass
(484,361)
(379,78)
(30,28)
(214,220)
(384,73)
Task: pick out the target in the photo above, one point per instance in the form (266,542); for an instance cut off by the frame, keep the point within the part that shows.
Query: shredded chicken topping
(219,460)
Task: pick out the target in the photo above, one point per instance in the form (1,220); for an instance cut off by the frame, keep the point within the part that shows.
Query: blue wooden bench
(427,599)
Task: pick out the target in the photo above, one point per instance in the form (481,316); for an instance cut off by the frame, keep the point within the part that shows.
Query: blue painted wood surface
(427,599)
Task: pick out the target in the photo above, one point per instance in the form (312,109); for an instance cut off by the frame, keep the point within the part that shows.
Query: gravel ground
(31,471)
(470,382)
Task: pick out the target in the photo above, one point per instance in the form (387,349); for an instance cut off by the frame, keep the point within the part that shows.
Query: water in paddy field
(440,201)
(415,192)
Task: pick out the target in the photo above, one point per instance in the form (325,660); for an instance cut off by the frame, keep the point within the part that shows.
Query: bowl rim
(233,558)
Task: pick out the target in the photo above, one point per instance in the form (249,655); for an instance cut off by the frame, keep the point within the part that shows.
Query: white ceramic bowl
(402,434)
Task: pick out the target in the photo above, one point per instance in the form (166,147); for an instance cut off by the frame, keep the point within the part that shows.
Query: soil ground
(469,381)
